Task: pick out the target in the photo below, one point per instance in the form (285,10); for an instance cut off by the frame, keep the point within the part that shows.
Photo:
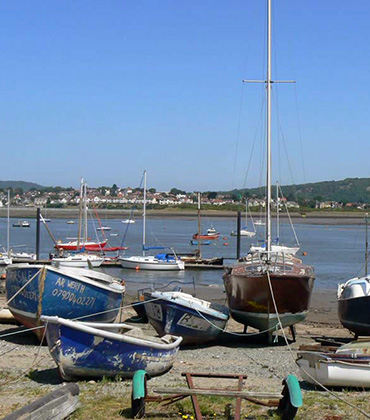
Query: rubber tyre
(286,410)
(138,408)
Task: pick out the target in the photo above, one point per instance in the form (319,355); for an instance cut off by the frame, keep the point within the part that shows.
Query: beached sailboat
(95,350)
(354,299)
(195,320)
(267,288)
(35,290)
(160,262)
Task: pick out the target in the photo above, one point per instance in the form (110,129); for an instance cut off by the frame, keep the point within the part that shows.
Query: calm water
(336,252)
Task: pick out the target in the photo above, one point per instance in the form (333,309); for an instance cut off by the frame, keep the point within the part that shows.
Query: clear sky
(105,89)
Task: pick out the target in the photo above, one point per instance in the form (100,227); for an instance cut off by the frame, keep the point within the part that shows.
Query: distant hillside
(349,190)
(26,186)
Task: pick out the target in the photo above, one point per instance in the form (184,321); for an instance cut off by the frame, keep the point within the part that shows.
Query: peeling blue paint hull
(195,320)
(66,292)
(95,350)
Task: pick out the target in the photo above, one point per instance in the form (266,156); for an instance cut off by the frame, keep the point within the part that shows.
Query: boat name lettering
(27,294)
(193,322)
(154,311)
(71,297)
(78,287)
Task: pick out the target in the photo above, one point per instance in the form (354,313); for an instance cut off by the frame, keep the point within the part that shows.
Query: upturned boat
(94,350)
(36,290)
(195,320)
(267,288)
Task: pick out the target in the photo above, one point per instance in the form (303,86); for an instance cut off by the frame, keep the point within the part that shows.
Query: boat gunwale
(183,302)
(84,327)
(112,285)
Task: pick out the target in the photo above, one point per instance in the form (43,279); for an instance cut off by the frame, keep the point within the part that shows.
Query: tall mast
(268,115)
(85,212)
(80,215)
(8,228)
(144,214)
(199,228)
(366,245)
(277,214)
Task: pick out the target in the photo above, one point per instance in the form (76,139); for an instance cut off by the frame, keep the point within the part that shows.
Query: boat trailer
(287,402)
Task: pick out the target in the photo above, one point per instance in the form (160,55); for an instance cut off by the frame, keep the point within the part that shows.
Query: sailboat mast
(268,117)
(277,215)
(85,213)
(199,228)
(8,228)
(80,215)
(144,214)
(366,245)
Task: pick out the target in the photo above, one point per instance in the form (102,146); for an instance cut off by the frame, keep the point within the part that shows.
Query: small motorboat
(128,221)
(94,350)
(196,242)
(104,228)
(195,320)
(21,223)
(349,366)
(70,222)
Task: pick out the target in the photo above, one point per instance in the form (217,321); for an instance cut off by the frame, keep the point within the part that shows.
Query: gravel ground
(22,355)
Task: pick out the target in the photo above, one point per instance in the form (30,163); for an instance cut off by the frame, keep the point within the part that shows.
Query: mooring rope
(19,291)
(367,415)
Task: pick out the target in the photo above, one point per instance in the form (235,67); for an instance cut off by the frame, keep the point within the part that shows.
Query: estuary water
(335,251)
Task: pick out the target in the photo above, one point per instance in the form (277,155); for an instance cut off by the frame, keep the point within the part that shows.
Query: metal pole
(144,215)
(366,245)
(238,226)
(38,213)
(199,228)
(8,227)
(268,112)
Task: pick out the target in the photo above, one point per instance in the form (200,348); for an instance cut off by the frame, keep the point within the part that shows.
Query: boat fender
(291,382)
(139,384)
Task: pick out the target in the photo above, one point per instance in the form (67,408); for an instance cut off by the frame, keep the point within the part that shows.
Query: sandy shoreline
(321,218)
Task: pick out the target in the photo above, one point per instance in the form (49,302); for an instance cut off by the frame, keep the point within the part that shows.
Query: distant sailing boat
(268,288)
(244,230)
(162,262)
(77,245)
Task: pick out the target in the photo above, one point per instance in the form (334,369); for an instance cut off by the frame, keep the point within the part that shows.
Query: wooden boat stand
(287,402)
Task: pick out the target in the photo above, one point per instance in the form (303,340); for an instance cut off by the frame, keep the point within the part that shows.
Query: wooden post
(238,227)
(38,233)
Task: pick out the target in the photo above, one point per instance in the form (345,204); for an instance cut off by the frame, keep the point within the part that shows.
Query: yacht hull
(251,303)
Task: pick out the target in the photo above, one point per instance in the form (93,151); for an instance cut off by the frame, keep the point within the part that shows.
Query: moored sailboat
(268,288)
(160,262)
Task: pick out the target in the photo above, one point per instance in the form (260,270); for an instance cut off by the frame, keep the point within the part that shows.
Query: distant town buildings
(116,197)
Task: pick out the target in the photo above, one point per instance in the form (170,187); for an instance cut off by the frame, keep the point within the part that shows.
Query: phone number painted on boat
(71,297)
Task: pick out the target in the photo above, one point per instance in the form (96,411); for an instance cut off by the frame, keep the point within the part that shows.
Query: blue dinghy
(195,320)
(94,350)
(35,290)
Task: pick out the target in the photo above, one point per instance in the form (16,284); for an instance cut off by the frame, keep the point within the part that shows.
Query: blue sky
(105,89)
